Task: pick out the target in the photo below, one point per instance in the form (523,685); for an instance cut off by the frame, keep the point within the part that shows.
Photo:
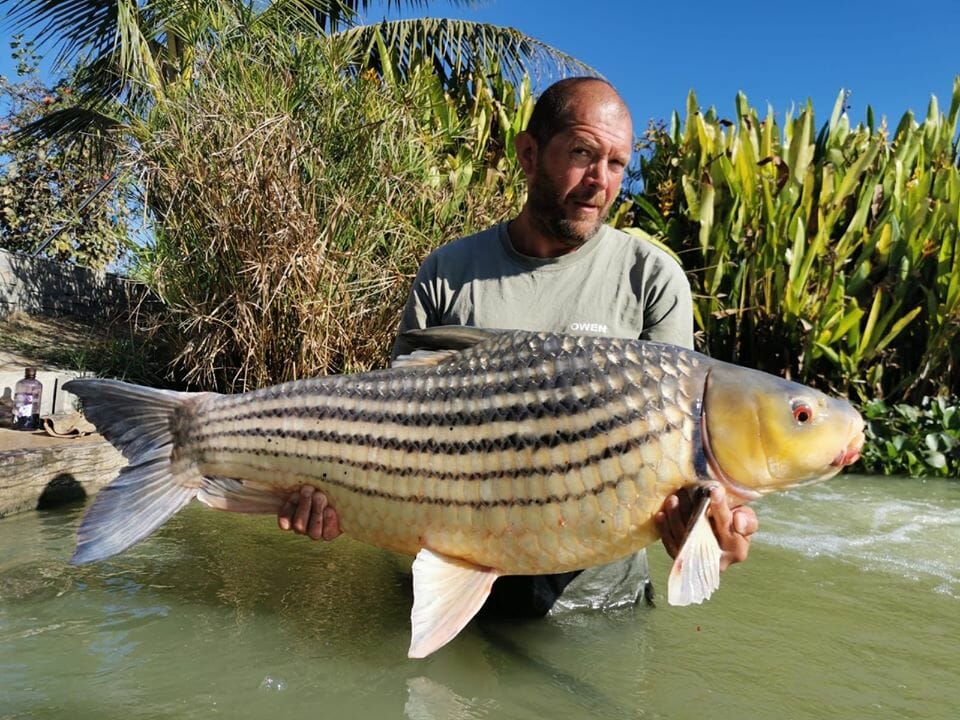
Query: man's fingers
(301,517)
(663,529)
(317,506)
(331,524)
(285,516)
(308,512)
(720,513)
(671,521)
(672,525)
(745,521)
(733,528)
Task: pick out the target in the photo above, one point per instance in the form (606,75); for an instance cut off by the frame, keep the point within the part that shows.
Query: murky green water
(848,608)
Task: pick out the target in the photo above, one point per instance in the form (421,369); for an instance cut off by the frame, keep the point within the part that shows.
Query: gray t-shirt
(616,285)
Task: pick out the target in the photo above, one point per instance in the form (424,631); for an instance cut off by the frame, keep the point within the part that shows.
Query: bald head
(556,109)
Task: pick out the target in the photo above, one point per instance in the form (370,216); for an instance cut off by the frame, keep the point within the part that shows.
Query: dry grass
(107,348)
(43,341)
(295,206)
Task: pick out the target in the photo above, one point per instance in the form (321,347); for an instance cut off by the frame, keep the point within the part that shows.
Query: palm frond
(343,13)
(85,131)
(73,27)
(454,47)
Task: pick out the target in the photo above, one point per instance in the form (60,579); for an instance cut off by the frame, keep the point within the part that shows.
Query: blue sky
(892,55)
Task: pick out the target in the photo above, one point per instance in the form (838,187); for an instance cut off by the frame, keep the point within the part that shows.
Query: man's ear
(526,146)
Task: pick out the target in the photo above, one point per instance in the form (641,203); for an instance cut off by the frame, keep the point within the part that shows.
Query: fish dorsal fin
(696,570)
(432,346)
(447,593)
(422,358)
(447,337)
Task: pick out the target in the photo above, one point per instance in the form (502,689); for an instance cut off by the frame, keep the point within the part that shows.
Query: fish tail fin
(140,422)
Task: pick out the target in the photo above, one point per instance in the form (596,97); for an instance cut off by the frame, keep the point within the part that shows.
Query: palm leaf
(455,47)
(74,26)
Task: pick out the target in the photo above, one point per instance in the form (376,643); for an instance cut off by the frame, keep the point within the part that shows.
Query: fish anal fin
(696,570)
(447,593)
(232,495)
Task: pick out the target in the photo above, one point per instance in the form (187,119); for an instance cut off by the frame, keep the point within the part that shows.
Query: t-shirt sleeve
(668,304)
(423,306)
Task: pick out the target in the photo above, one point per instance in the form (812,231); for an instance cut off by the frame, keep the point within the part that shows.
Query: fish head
(763,433)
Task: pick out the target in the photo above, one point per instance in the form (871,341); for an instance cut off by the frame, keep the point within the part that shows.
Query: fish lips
(851,453)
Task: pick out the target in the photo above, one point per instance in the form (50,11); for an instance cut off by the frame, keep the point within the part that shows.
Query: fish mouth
(851,453)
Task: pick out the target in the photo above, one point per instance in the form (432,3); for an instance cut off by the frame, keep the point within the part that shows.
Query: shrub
(296,200)
(917,440)
(832,257)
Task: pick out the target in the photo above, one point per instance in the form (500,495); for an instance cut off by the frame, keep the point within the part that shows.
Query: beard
(546,201)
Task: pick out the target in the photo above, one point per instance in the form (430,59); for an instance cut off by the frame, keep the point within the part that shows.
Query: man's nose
(597,175)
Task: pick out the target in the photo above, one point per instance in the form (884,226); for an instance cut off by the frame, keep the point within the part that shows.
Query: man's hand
(732,526)
(307,513)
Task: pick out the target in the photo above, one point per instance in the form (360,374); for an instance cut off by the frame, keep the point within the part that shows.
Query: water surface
(849,607)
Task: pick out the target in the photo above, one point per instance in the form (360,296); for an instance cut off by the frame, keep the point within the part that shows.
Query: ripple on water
(910,529)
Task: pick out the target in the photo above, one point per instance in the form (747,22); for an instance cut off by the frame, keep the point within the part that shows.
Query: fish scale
(400,466)
(483,453)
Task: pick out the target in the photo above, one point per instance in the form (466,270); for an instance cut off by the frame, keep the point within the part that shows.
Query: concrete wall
(37,286)
(45,287)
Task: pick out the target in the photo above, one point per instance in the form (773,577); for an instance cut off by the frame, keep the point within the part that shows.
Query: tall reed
(295,200)
(831,255)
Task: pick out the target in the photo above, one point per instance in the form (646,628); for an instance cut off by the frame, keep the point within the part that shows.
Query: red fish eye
(802,412)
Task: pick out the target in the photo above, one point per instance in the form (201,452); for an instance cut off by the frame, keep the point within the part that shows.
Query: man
(557,267)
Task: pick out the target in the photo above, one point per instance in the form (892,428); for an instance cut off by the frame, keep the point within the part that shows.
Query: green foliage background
(296,199)
(44,184)
(830,256)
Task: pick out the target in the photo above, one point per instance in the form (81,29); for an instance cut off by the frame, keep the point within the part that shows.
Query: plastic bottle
(26,401)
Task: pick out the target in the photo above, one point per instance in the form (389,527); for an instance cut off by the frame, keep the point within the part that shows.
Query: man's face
(577,175)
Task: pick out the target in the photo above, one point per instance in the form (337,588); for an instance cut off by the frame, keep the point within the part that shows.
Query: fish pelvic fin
(231,495)
(447,593)
(142,423)
(696,570)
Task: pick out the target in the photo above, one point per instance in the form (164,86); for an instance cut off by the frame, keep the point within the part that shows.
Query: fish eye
(802,412)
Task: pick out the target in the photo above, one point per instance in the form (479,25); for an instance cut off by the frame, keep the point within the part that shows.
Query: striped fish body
(494,454)
(529,453)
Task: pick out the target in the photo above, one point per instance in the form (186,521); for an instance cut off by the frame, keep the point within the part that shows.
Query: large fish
(483,453)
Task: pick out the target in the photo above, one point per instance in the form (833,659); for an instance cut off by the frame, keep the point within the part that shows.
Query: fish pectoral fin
(696,570)
(223,493)
(447,593)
